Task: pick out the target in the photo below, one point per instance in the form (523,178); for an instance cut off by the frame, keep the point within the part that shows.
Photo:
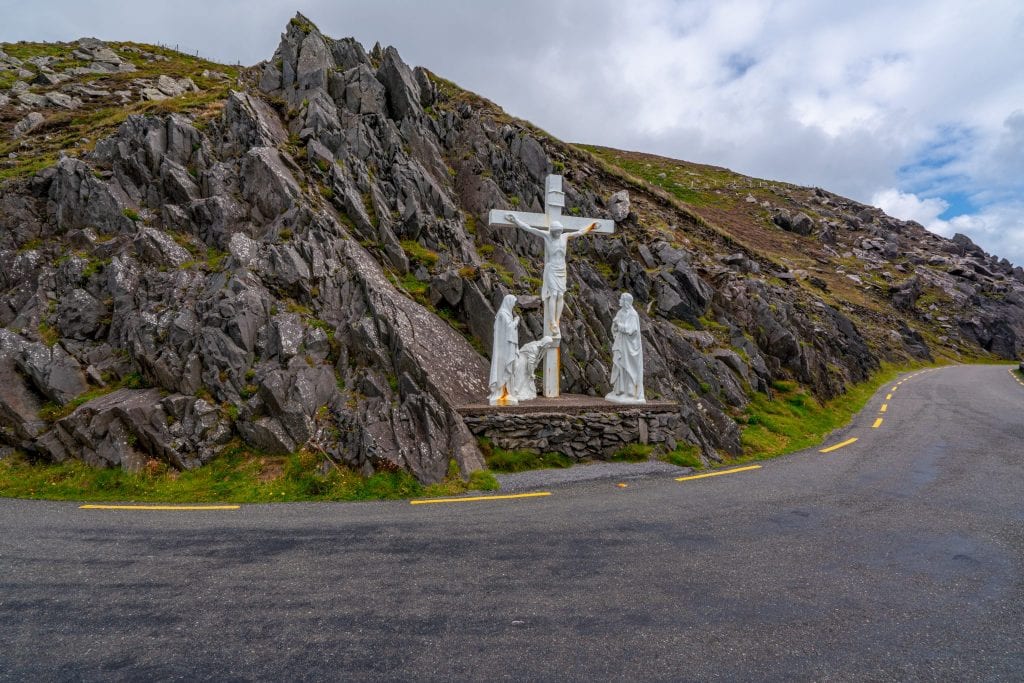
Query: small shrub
(132,214)
(632,452)
(215,260)
(521,460)
(482,480)
(419,254)
(685,455)
(48,334)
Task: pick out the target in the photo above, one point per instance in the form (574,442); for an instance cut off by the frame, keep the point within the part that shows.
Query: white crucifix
(556,230)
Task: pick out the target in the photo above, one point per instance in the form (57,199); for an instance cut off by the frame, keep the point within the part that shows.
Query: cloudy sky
(915,106)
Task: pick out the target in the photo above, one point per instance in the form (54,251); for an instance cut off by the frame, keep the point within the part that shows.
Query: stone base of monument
(580,427)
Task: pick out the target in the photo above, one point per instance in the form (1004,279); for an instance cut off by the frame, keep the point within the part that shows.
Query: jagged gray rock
(31,121)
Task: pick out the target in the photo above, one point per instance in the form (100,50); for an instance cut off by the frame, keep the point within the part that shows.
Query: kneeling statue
(524,382)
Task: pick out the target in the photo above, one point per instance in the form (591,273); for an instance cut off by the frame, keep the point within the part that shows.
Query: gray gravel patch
(535,479)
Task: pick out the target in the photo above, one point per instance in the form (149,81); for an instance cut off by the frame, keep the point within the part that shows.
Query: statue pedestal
(552,370)
(624,399)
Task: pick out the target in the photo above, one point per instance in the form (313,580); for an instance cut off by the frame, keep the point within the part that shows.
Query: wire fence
(189,52)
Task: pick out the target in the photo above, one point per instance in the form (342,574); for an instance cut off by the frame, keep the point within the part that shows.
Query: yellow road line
(159,507)
(878,423)
(838,446)
(718,474)
(885,407)
(470,499)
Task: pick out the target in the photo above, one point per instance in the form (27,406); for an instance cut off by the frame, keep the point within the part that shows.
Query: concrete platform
(568,404)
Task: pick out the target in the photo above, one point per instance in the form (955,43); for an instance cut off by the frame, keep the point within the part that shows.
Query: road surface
(897,556)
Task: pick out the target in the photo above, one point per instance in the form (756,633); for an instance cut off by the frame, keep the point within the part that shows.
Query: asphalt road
(898,556)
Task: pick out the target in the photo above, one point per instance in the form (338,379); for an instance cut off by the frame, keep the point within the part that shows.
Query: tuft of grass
(685,455)
(501,460)
(214,260)
(483,480)
(416,289)
(632,452)
(132,214)
(453,484)
(303,25)
(48,333)
(417,253)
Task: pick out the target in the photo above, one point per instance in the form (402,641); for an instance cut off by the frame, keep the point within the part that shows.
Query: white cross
(542,223)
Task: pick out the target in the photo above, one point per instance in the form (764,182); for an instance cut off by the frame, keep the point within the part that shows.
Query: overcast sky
(915,106)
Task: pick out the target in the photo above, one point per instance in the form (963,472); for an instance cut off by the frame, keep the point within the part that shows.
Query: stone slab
(568,404)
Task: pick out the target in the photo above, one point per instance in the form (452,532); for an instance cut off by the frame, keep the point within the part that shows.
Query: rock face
(310,265)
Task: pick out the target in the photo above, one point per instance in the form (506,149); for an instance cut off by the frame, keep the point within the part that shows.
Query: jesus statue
(556,246)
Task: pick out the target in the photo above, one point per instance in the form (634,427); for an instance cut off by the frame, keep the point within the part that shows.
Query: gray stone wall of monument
(581,436)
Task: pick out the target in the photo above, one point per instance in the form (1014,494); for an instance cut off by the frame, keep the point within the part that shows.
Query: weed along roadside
(237,476)
(793,419)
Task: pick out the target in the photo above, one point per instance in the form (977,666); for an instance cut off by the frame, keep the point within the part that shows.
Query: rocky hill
(297,255)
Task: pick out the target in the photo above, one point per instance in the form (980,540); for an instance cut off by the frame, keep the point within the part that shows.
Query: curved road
(898,556)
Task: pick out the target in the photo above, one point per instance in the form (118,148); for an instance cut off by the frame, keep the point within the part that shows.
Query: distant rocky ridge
(306,263)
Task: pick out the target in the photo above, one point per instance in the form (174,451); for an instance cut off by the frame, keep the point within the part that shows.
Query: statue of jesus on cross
(556,230)
(556,247)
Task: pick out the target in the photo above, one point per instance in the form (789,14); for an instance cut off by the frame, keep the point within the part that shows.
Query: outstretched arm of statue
(512,218)
(581,231)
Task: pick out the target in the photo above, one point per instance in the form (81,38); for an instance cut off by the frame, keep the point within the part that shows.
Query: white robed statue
(524,380)
(503,353)
(627,355)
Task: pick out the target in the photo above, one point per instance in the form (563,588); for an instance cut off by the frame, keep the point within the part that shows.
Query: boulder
(156,247)
(904,295)
(267,183)
(54,372)
(19,407)
(801,224)
(80,315)
(124,428)
(618,206)
(28,124)
(403,93)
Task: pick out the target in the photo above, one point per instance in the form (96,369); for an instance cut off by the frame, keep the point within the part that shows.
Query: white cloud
(909,207)
(999,228)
